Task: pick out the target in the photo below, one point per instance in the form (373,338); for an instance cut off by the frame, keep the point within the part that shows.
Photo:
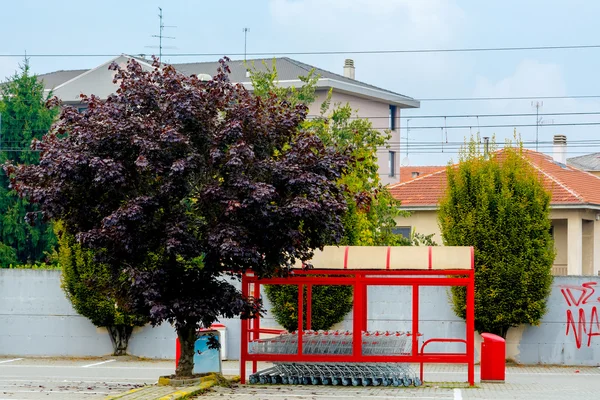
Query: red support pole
(415,324)
(357,318)
(300,317)
(471,329)
(256,335)
(308,306)
(244,347)
(365,307)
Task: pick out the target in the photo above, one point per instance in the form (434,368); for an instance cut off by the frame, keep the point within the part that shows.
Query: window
(392,117)
(392,163)
(402,230)
(415,174)
(81,110)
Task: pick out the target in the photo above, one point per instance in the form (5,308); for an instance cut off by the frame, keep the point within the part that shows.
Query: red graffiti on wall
(579,297)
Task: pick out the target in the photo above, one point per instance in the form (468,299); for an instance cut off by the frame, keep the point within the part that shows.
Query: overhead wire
(516,115)
(329,52)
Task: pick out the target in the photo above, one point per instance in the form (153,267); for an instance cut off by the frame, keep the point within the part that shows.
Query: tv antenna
(538,120)
(161,36)
(245,30)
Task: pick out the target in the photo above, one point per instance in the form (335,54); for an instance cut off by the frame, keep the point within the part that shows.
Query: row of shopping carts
(334,343)
(355,374)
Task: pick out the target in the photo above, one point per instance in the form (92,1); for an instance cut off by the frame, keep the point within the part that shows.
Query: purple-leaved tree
(180,182)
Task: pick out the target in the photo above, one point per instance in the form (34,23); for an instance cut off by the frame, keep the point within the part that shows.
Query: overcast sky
(208,26)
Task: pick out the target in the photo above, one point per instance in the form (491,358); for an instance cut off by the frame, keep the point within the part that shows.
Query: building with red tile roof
(409,173)
(575,209)
(568,185)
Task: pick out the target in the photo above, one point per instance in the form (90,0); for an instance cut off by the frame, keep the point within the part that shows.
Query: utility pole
(537,105)
(407,132)
(160,35)
(245,30)
(486,147)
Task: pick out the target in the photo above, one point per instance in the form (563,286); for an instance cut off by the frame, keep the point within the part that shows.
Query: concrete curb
(166,381)
(165,392)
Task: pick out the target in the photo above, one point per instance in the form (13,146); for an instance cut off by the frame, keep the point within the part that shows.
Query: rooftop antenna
(160,35)
(486,147)
(446,128)
(406,161)
(538,121)
(245,30)
(407,132)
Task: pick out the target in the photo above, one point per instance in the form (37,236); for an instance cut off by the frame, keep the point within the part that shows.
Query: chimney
(560,149)
(349,68)
(486,147)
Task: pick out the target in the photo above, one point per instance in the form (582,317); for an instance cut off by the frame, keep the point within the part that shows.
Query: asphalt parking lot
(23,378)
(58,378)
(442,382)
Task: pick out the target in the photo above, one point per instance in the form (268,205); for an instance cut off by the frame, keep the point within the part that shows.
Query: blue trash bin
(206,360)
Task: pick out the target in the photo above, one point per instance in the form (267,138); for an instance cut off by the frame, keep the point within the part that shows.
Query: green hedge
(38,265)
(329,305)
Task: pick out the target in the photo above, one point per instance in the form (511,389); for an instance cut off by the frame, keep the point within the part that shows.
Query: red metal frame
(360,280)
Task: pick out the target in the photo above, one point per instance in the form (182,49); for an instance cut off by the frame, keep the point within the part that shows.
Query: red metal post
(471,329)
(308,306)
(256,327)
(357,318)
(300,317)
(245,337)
(415,322)
(365,307)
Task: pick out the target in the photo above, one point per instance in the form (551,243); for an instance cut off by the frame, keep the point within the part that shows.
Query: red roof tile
(567,184)
(406,173)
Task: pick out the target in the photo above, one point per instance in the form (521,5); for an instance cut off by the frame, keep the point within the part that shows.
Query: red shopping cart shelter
(362,267)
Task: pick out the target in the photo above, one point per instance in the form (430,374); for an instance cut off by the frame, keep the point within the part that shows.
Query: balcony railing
(560,269)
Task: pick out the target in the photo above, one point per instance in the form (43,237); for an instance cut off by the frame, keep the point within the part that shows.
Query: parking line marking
(50,378)
(352,396)
(457,394)
(100,380)
(518,373)
(8,361)
(54,392)
(98,363)
(78,366)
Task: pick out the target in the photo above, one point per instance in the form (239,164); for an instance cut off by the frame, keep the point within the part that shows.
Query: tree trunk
(187,339)
(503,332)
(119,336)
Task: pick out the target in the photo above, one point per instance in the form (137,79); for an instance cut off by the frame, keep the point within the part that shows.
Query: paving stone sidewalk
(162,392)
(442,382)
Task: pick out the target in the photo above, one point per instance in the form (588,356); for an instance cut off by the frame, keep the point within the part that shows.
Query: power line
(499,126)
(496,115)
(340,52)
(508,98)
(469,115)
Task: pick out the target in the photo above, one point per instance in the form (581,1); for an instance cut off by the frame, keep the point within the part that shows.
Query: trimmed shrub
(329,305)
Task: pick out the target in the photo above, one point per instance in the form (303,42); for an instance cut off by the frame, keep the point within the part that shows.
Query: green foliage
(90,286)
(371,208)
(329,305)
(24,118)
(500,206)
(8,256)
(37,265)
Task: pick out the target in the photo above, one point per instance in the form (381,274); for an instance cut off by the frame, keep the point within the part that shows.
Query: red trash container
(493,358)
